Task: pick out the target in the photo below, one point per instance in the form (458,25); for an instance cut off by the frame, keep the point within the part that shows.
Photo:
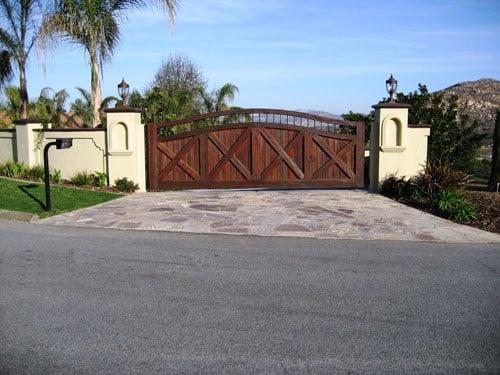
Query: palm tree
(82,107)
(217,100)
(94,25)
(52,103)
(17,39)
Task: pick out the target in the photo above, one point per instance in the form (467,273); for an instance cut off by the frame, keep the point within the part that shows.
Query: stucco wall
(126,146)
(396,147)
(87,154)
(7,145)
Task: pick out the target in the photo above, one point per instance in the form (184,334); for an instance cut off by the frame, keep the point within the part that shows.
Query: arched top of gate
(256,116)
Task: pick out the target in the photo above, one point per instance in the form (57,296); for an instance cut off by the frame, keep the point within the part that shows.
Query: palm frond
(85,95)
(5,67)
(108,100)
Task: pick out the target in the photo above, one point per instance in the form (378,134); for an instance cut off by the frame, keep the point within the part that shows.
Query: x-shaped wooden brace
(283,155)
(335,158)
(176,159)
(229,155)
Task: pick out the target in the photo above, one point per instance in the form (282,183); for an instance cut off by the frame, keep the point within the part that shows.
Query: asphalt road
(82,301)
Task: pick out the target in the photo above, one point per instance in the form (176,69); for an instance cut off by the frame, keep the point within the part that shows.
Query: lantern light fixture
(123,89)
(391,85)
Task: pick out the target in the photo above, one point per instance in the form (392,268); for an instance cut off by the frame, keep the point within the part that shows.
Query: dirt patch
(487,206)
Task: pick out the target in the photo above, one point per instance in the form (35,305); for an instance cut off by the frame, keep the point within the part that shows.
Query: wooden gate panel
(255,152)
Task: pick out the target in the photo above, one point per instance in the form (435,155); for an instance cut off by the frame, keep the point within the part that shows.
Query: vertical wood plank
(153,157)
(255,152)
(308,156)
(203,155)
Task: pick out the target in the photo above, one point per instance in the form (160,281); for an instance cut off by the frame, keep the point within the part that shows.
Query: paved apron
(335,214)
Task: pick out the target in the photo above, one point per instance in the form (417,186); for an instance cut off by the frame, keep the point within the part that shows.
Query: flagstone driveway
(335,214)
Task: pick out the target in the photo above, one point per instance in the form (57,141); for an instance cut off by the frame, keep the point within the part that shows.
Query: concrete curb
(18,216)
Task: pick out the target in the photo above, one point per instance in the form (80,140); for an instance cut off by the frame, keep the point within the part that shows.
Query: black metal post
(48,204)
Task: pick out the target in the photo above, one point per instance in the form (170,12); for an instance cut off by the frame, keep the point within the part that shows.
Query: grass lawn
(27,196)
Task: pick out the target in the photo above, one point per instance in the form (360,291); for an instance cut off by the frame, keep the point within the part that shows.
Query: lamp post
(391,85)
(123,88)
(60,143)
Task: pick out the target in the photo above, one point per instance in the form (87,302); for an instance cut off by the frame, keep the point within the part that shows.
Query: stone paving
(332,214)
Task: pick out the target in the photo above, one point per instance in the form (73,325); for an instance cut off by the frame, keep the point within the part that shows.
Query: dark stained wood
(288,148)
(281,152)
(257,154)
(229,155)
(360,154)
(152,157)
(177,159)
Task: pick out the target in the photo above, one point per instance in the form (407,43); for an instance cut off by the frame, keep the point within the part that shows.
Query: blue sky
(319,54)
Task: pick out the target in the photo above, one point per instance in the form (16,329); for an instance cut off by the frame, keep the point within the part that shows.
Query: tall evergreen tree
(454,139)
(495,157)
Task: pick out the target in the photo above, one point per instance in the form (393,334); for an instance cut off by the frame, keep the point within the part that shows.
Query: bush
(55,176)
(437,177)
(400,189)
(453,205)
(12,169)
(125,185)
(394,187)
(100,179)
(35,173)
(82,179)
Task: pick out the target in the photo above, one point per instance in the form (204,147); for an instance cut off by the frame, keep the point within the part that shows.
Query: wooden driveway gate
(256,148)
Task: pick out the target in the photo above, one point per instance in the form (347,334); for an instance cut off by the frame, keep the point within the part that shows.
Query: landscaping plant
(82,179)
(12,169)
(55,176)
(453,205)
(438,176)
(100,179)
(125,185)
(35,173)
(435,190)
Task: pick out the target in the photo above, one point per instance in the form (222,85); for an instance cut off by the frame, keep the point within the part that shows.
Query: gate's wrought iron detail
(256,148)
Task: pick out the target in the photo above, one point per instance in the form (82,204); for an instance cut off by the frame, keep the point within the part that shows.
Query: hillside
(478,99)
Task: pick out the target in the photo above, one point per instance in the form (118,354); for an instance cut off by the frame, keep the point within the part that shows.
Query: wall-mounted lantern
(391,85)
(123,88)
(60,143)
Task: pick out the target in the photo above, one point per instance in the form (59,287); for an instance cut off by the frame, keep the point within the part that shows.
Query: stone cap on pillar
(391,105)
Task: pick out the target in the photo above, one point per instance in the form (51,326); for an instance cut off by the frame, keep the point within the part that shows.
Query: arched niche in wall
(118,137)
(392,135)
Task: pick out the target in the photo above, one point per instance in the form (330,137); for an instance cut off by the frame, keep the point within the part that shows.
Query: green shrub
(394,187)
(436,177)
(100,179)
(453,205)
(125,185)
(82,178)
(35,173)
(55,176)
(407,191)
(12,169)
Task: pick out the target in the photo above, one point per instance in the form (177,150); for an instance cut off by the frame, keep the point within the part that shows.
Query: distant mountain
(321,113)
(478,99)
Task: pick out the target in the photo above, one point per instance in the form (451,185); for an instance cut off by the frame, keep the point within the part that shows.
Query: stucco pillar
(26,136)
(125,145)
(396,147)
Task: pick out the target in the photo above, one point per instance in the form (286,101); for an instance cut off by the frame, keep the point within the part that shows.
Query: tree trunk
(95,84)
(23,91)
